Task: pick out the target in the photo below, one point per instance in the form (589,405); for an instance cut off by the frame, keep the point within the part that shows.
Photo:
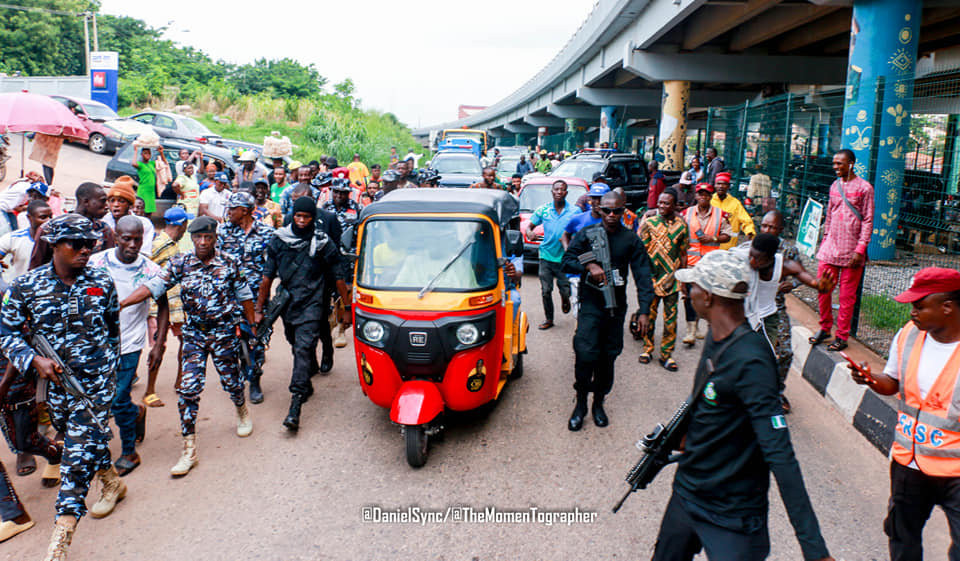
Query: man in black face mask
(303,256)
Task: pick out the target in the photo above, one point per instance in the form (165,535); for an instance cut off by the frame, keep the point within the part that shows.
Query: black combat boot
(576,419)
(292,421)
(256,394)
(599,415)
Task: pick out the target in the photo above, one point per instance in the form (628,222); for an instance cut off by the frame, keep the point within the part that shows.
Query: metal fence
(791,138)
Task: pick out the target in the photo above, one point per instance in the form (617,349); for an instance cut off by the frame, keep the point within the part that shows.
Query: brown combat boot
(63,531)
(112,491)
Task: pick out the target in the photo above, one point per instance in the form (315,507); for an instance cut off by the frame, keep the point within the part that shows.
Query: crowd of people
(101,285)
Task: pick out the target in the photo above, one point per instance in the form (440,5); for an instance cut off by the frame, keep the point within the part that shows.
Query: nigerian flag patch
(778,422)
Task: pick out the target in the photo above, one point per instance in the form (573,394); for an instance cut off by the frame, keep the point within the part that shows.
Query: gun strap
(706,369)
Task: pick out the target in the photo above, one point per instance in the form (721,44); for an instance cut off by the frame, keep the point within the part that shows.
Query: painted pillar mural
(673,124)
(879,97)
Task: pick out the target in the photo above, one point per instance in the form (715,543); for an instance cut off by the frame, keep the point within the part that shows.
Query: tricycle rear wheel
(417,443)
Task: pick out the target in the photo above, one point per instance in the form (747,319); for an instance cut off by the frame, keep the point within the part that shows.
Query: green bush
(883,312)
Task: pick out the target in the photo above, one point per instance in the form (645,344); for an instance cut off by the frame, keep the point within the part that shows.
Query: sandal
(644,358)
(547,324)
(51,476)
(838,345)
(820,337)
(152,400)
(125,466)
(669,364)
(26,464)
(141,424)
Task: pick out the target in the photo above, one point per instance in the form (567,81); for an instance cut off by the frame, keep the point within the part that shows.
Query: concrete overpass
(728,51)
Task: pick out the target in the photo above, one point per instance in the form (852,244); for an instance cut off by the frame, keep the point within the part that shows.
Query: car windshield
(533,197)
(195,127)
(97,111)
(408,254)
(508,164)
(584,169)
(456,164)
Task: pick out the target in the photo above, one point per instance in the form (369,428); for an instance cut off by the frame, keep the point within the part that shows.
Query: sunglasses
(78,243)
(618,211)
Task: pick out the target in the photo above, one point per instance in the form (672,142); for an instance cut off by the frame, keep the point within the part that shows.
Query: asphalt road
(75,165)
(283,496)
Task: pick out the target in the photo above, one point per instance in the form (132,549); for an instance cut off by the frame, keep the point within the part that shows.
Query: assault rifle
(271,313)
(600,253)
(65,376)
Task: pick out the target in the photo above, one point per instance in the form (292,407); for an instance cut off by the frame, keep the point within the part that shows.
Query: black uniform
(599,336)
(737,435)
(305,277)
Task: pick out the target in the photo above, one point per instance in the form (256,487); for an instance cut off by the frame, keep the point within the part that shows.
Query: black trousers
(912,498)
(683,533)
(597,343)
(689,313)
(548,273)
(303,339)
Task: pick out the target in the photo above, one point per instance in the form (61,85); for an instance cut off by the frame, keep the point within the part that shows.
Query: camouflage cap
(241,198)
(339,184)
(69,226)
(720,272)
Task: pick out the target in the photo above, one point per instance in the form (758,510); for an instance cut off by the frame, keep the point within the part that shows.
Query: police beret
(203,225)
(69,227)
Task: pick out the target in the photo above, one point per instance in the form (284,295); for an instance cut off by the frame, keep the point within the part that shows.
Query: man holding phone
(923,370)
(709,227)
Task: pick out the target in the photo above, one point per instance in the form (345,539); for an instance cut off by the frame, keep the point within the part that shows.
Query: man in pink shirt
(847,229)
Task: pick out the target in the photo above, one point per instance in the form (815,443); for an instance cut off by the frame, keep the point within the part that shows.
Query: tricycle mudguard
(417,403)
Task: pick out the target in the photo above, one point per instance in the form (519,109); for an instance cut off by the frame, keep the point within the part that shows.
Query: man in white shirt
(120,200)
(131,270)
(15,198)
(213,202)
(19,243)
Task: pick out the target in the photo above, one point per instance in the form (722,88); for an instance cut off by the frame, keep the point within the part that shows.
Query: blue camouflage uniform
(211,296)
(82,323)
(348,215)
(249,250)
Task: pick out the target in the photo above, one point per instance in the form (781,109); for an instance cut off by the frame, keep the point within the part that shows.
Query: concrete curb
(874,416)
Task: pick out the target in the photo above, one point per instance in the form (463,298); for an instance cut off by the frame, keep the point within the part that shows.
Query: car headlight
(468,334)
(373,331)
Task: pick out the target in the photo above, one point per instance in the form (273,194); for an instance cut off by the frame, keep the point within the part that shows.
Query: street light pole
(96,36)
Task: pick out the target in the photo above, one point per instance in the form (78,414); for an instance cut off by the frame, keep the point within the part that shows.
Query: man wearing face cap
(75,308)
(739,218)
(303,256)
(923,370)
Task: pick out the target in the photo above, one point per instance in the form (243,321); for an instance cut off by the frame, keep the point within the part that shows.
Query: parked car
(507,167)
(535,194)
(176,126)
(620,169)
(106,131)
(223,158)
(457,169)
(239,147)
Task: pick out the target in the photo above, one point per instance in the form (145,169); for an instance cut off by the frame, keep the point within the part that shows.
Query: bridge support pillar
(673,125)
(608,122)
(879,97)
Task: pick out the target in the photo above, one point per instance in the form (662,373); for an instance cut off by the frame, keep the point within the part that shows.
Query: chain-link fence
(791,140)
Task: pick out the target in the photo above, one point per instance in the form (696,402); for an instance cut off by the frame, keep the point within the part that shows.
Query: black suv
(621,169)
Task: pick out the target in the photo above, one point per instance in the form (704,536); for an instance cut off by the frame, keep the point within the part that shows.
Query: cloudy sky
(419,59)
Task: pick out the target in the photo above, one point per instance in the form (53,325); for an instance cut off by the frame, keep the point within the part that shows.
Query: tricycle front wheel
(417,443)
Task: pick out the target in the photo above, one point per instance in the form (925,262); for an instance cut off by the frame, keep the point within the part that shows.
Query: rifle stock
(65,376)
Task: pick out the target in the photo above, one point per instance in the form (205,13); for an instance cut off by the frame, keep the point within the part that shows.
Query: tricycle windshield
(413,254)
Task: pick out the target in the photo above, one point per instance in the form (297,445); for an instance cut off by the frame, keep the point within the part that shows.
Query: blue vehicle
(463,145)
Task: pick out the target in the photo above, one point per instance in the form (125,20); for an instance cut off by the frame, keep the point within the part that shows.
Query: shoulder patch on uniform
(6,297)
(778,422)
(710,394)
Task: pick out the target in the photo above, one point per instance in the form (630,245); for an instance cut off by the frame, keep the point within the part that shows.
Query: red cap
(723,176)
(932,280)
(705,187)
(340,173)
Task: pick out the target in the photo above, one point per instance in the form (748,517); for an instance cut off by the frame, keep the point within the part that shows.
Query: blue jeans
(124,410)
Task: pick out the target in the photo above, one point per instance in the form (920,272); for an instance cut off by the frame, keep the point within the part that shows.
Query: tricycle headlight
(373,331)
(468,334)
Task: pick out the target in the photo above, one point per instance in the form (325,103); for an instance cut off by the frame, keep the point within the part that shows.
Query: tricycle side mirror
(348,239)
(514,246)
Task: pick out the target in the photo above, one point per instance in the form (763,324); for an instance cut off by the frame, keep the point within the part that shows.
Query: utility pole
(86,45)
(96,36)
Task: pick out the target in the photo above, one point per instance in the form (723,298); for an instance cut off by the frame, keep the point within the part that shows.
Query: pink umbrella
(26,112)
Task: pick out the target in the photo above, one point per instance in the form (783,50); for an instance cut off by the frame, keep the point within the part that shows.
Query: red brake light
(201,139)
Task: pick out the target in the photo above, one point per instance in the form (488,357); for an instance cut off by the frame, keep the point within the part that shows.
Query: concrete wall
(76,86)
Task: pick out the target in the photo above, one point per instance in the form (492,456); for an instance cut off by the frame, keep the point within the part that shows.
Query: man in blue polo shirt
(554,217)
(580,221)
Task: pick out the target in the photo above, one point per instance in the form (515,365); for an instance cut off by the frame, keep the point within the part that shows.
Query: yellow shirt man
(358,172)
(740,220)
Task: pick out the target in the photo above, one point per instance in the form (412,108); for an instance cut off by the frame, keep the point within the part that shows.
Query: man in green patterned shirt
(666,238)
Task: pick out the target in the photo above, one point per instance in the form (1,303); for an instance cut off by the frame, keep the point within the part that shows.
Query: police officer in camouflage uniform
(75,308)
(213,290)
(340,204)
(245,240)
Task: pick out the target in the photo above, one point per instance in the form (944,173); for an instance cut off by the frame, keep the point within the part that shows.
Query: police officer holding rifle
(601,254)
(74,310)
(735,437)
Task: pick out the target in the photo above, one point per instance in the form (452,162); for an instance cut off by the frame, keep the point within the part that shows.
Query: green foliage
(282,78)
(883,312)
(37,42)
